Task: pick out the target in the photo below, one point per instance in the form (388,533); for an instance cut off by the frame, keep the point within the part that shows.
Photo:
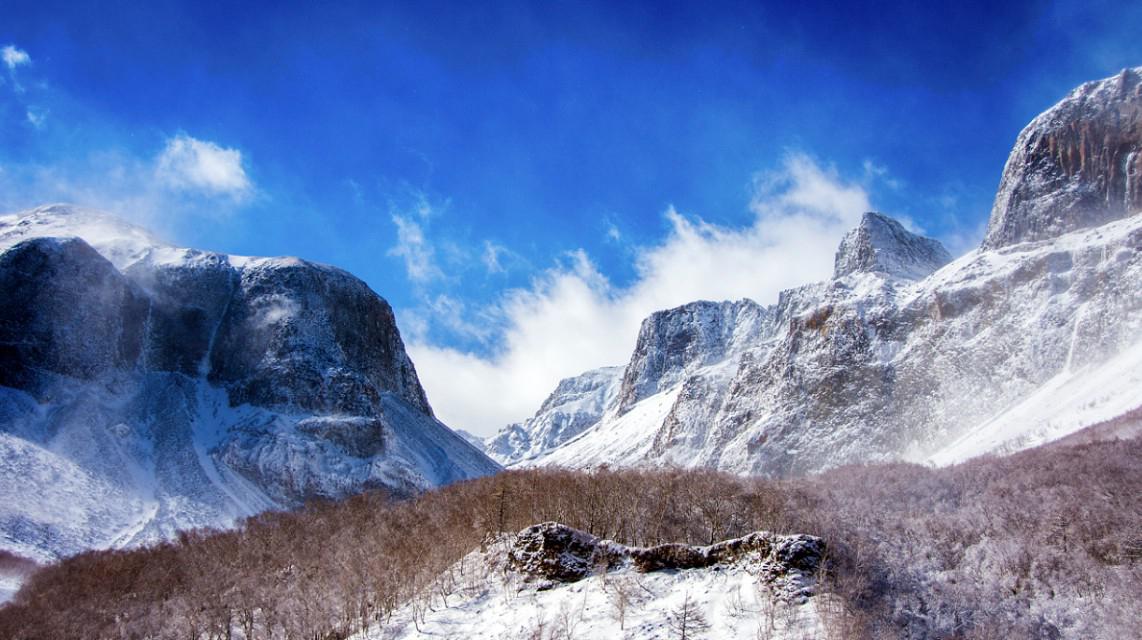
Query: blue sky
(525,181)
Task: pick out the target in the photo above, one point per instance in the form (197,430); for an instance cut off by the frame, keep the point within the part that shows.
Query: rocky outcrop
(554,552)
(202,387)
(882,245)
(1077,165)
(302,336)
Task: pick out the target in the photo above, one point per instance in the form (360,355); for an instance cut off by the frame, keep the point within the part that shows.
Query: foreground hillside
(1041,544)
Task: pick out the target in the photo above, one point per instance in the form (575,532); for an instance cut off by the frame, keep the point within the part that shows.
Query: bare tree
(687,620)
(623,591)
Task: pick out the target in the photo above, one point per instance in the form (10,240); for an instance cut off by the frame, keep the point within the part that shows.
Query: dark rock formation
(297,335)
(65,310)
(555,552)
(1077,165)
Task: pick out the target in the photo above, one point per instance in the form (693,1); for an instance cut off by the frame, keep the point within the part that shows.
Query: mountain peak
(881,244)
(1075,166)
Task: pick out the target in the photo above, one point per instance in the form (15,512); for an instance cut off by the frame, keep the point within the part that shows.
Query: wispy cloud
(413,247)
(572,318)
(189,164)
(491,257)
(160,190)
(14,57)
(613,234)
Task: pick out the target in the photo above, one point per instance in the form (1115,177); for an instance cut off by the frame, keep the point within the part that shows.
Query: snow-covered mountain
(576,404)
(146,389)
(904,354)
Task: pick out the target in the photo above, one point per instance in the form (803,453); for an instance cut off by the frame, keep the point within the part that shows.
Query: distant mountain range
(904,353)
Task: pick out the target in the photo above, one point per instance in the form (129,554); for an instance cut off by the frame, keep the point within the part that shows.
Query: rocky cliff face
(902,355)
(199,387)
(676,341)
(1075,166)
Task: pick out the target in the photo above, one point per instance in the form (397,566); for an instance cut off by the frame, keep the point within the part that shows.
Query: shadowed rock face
(673,341)
(276,334)
(1077,165)
(65,310)
(315,338)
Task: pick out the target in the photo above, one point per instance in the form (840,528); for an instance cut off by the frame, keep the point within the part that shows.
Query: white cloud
(572,318)
(413,247)
(189,164)
(14,57)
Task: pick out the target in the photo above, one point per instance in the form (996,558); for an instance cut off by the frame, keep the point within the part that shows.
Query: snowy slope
(1065,404)
(147,389)
(731,602)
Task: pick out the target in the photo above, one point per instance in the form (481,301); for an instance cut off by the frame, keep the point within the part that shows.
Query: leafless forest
(1042,544)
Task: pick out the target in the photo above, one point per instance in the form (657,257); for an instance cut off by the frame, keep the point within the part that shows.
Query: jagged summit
(1075,166)
(881,244)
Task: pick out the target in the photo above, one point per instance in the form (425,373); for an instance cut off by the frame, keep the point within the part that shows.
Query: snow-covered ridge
(191,388)
(575,405)
(868,368)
